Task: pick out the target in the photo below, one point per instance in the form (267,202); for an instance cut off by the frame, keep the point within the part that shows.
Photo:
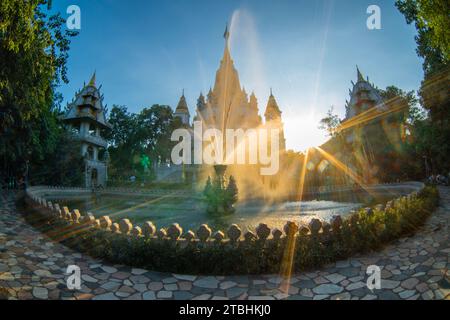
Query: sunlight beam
(288,258)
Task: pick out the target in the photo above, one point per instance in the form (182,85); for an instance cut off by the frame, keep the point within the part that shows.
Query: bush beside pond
(232,251)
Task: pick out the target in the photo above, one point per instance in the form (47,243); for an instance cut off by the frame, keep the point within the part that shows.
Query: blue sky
(146,52)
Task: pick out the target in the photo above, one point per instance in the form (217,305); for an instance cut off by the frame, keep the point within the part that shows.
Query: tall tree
(33,54)
(156,125)
(124,141)
(432,20)
(135,137)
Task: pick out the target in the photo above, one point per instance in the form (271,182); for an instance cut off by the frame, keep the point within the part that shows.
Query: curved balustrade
(204,234)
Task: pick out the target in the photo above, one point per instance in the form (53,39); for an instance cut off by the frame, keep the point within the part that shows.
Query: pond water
(190,213)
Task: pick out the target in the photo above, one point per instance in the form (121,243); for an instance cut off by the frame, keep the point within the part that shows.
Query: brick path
(33,267)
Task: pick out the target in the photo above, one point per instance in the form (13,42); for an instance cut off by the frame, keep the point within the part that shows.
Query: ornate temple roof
(227,104)
(272,109)
(87,105)
(363,95)
(227,86)
(182,106)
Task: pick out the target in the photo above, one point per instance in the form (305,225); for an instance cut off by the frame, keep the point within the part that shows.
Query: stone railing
(48,190)
(41,191)
(151,192)
(204,234)
(406,187)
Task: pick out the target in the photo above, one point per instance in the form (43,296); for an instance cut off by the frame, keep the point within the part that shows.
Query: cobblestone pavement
(33,267)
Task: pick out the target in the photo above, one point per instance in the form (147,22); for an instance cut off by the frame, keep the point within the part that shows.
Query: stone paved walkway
(33,267)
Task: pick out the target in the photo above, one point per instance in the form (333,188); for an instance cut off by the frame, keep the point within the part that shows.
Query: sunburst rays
(288,257)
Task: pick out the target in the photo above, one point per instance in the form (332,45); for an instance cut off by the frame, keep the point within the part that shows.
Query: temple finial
(271,94)
(226,34)
(92,81)
(226,53)
(359,74)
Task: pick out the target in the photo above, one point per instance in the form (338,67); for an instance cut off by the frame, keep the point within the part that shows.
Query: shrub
(219,196)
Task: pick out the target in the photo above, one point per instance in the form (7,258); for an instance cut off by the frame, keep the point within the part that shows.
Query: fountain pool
(190,213)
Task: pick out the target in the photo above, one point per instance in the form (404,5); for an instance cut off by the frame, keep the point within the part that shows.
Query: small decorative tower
(182,111)
(273,119)
(85,117)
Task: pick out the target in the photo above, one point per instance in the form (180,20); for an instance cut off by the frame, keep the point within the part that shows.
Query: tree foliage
(33,54)
(330,123)
(432,20)
(156,125)
(431,138)
(64,167)
(412,111)
(135,135)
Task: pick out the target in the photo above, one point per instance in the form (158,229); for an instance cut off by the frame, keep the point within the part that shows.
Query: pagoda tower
(85,117)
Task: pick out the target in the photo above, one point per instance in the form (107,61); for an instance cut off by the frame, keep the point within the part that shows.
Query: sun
(302,132)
